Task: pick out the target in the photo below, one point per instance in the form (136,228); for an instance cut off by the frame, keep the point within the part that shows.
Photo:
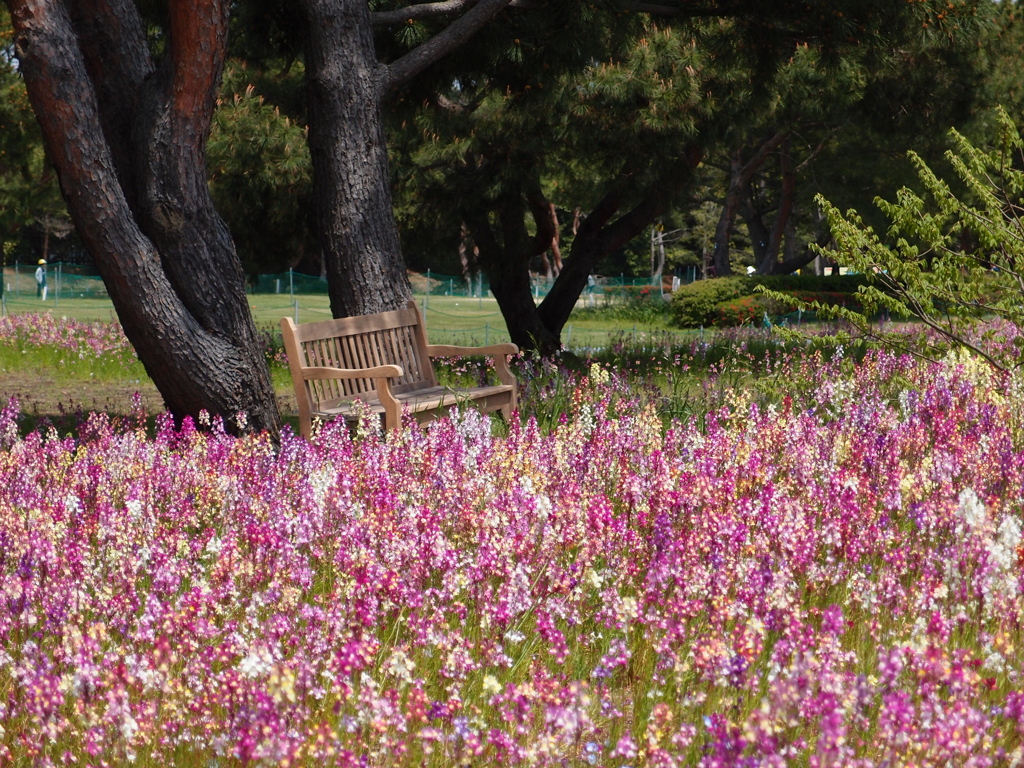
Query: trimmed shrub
(694,304)
(746,310)
(697,304)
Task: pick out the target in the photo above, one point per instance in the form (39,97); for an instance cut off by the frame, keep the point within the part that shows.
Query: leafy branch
(951,261)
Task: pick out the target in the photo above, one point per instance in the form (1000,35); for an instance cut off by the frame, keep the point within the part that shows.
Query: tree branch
(440,45)
(419,11)
(112,40)
(540,210)
(433,10)
(627,226)
(198,46)
(596,237)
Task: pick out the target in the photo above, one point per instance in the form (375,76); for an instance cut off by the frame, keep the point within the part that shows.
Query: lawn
(739,553)
(450,319)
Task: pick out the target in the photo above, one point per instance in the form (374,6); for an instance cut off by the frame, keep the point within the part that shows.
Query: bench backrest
(397,338)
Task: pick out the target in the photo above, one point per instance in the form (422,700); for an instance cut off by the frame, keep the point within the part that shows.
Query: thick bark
(358,233)
(346,85)
(128,142)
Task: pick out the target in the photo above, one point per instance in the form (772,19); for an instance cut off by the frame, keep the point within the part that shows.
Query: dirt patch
(40,394)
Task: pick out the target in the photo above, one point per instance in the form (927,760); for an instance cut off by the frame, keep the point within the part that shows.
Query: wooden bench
(384,361)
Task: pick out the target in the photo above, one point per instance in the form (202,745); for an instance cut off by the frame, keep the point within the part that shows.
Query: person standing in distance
(41,279)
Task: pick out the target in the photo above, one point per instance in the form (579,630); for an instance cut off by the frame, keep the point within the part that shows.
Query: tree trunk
(359,236)
(720,262)
(740,175)
(556,243)
(598,235)
(768,260)
(507,262)
(128,142)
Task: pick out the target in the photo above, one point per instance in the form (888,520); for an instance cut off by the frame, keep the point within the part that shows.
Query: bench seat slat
(428,399)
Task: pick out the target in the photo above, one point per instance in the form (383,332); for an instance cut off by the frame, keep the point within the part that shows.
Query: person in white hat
(41,279)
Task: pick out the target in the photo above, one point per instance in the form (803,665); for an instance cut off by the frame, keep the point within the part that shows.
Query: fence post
(427,294)
(56,294)
(568,337)
(291,284)
(295,303)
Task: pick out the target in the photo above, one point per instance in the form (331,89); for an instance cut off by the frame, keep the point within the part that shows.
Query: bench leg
(392,408)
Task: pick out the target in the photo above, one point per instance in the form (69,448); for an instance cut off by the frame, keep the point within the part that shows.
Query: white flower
(128,727)
(491,685)
(134,508)
(971,510)
(629,609)
(259,662)
(514,637)
(1003,548)
(401,666)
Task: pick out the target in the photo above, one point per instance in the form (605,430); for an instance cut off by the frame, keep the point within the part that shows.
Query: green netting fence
(607,288)
(77,281)
(69,281)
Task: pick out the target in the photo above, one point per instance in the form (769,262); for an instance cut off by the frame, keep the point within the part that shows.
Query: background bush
(713,302)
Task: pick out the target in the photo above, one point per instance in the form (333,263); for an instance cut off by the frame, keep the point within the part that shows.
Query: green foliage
(260,177)
(710,302)
(643,304)
(950,260)
(29,195)
(694,305)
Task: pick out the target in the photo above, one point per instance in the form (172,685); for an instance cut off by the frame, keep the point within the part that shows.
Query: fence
(68,281)
(73,281)
(607,288)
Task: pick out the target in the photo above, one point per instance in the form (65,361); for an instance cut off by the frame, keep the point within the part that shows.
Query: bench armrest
(497,351)
(378,372)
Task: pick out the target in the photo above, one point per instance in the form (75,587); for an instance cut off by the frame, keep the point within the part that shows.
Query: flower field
(822,570)
(66,337)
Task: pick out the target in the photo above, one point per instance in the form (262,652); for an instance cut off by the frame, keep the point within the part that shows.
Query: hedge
(697,304)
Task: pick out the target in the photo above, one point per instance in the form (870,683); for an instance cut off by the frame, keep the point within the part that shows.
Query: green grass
(450,319)
(64,365)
